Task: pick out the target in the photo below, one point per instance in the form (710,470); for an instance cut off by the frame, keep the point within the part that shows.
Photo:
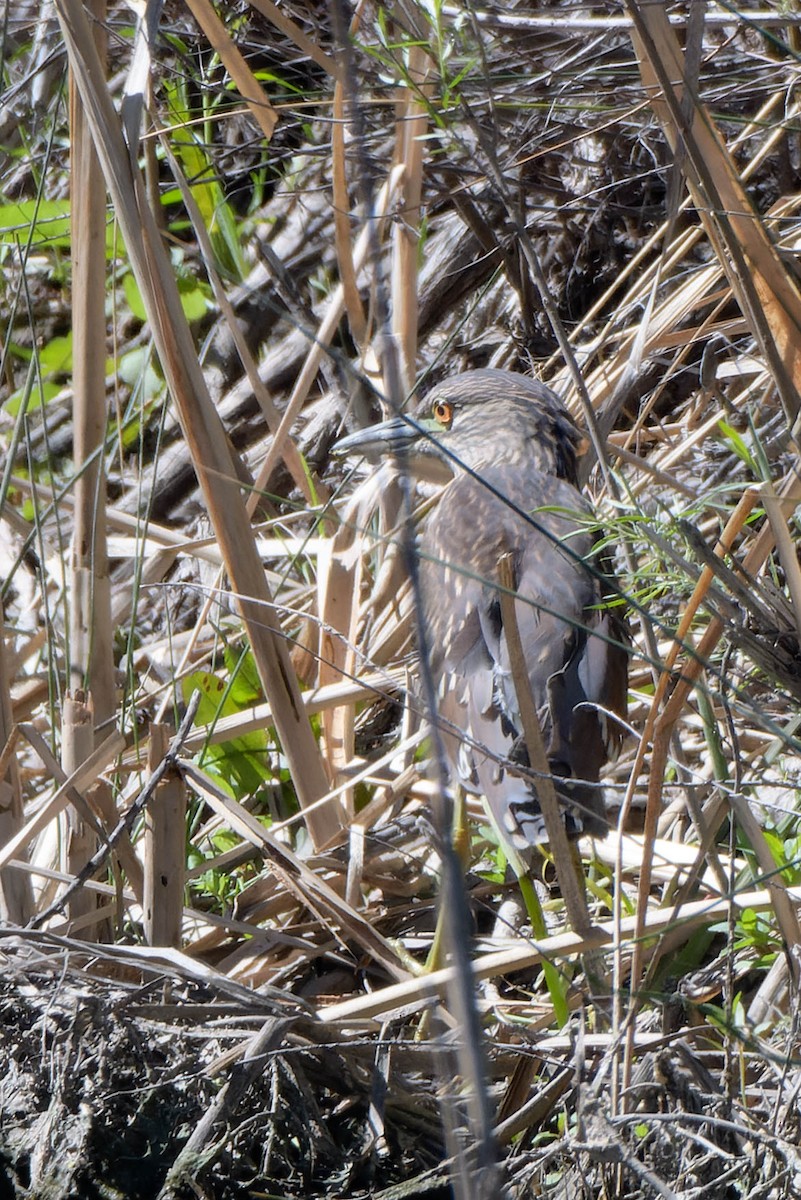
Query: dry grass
(607,202)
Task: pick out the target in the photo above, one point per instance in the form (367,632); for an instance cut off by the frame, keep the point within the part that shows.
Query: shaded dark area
(103,1082)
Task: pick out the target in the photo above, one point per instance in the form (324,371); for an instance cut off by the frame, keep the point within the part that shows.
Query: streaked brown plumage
(509,446)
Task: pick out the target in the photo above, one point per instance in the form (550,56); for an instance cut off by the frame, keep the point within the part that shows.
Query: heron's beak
(412,443)
(379,441)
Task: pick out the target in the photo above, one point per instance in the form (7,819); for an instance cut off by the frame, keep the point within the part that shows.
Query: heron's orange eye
(442,412)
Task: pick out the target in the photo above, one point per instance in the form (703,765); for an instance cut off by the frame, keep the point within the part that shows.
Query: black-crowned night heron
(508,447)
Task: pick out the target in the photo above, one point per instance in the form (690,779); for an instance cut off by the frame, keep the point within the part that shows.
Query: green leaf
(245,686)
(55,358)
(134,297)
(776,845)
(738,445)
(213,704)
(46,224)
(215,212)
(225,839)
(241,764)
(194,298)
(136,368)
(49,221)
(40,396)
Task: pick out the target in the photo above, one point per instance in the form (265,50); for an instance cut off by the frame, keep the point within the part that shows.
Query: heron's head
(476,419)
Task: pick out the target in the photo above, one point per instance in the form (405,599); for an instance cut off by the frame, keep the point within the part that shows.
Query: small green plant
(190,130)
(241,765)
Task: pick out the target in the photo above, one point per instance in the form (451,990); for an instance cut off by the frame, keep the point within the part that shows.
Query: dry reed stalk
(656,733)
(385,615)
(604,379)
(164,850)
(765,290)
(315,893)
(341,574)
(290,453)
(124,849)
(409,997)
(410,132)
(82,777)
(16,900)
(343,241)
(667,323)
(642,272)
(348,691)
(200,423)
(248,87)
(339,579)
(91,634)
(77,743)
(296,35)
(568,869)
(777,516)
(660,724)
(322,338)
(91,652)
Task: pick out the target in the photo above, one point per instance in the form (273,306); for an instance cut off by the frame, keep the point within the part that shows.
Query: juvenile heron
(507,447)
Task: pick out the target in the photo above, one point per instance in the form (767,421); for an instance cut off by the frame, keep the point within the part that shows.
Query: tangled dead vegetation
(139,1074)
(320,213)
